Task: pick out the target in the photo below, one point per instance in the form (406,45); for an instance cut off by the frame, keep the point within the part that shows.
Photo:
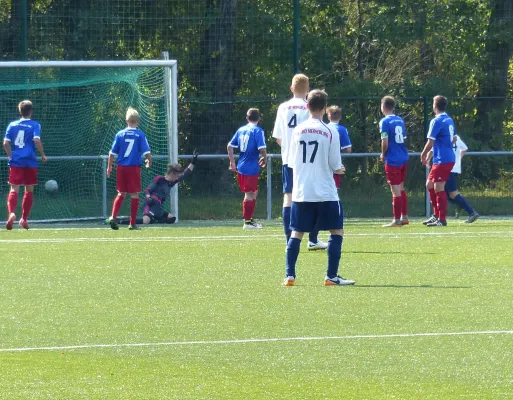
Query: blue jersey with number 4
(21,134)
(441,130)
(392,128)
(130,145)
(249,139)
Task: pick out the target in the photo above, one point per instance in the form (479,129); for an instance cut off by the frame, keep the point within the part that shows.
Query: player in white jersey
(315,156)
(291,114)
(451,186)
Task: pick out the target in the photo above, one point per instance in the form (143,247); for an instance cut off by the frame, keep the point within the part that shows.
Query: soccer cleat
(251,225)
(472,217)
(113,223)
(133,228)
(393,224)
(338,281)
(405,221)
(437,223)
(320,245)
(10,222)
(23,223)
(289,281)
(432,219)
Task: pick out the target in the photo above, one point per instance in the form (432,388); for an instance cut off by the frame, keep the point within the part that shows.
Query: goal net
(81,106)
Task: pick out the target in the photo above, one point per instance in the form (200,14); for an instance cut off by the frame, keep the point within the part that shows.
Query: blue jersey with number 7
(129,146)
(392,128)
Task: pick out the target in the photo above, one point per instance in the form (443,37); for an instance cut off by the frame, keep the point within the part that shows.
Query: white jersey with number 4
(458,148)
(290,114)
(314,155)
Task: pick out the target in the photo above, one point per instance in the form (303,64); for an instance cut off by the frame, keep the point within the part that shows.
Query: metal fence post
(104,186)
(269,188)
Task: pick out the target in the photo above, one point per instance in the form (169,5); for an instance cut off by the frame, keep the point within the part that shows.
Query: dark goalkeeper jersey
(160,187)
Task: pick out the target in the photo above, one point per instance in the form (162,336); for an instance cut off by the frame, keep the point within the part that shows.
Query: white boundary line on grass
(245,341)
(243,237)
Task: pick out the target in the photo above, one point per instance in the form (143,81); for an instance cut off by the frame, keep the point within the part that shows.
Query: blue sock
(334,254)
(286,223)
(292,253)
(313,236)
(463,204)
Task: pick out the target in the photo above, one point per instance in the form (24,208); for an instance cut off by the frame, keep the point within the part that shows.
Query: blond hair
(334,112)
(132,116)
(300,84)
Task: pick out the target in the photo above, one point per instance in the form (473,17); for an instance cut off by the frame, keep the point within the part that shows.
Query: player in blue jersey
(250,140)
(22,138)
(395,156)
(334,116)
(440,140)
(129,146)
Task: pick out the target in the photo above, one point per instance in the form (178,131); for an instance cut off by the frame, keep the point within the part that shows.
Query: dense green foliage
(68,287)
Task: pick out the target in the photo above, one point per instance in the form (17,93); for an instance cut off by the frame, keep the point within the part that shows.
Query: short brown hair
(300,83)
(440,102)
(334,112)
(253,115)
(25,108)
(317,100)
(174,169)
(388,103)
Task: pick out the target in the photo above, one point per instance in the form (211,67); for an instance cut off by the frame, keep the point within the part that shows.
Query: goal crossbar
(87,64)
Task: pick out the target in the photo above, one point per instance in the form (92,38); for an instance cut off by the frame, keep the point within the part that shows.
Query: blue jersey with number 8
(441,130)
(21,134)
(249,139)
(392,128)
(130,145)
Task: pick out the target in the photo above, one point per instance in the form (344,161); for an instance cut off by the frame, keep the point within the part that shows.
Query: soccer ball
(51,186)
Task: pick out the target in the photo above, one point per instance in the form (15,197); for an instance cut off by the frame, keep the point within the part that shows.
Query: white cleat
(317,246)
(251,225)
(338,281)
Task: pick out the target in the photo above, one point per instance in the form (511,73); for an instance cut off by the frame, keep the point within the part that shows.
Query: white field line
(245,341)
(249,237)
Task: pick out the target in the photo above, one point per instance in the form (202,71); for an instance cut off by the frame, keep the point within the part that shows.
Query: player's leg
(134,187)
(440,175)
(116,206)
(430,186)
(249,186)
(394,179)
(287,178)
(26,205)
(302,219)
(451,188)
(331,217)
(404,197)
(169,218)
(12,202)
(134,208)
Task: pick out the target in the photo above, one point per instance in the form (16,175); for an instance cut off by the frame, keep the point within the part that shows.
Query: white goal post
(30,80)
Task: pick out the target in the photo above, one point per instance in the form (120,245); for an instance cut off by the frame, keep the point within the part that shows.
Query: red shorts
(248,183)
(440,172)
(22,176)
(128,179)
(337,180)
(396,175)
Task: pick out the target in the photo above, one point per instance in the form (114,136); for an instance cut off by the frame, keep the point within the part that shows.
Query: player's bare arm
(384,147)
(232,166)
(427,149)
(148,160)
(39,147)
(262,161)
(110,161)
(7,148)
(347,150)
(340,171)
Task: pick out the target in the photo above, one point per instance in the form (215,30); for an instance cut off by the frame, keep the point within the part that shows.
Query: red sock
(432,197)
(134,207)
(396,207)
(245,210)
(12,202)
(26,204)
(404,203)
(441,198)
(252,205)
(116,206)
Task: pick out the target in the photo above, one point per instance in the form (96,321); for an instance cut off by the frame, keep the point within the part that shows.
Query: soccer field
(197,311)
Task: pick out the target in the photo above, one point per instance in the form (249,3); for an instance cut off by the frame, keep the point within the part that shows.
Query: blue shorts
(323,216)
(451,185)
(288,178)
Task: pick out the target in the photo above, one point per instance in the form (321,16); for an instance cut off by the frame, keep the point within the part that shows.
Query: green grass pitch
(197,311)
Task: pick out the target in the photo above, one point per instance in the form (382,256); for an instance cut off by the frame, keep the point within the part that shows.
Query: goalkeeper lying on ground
(158,191)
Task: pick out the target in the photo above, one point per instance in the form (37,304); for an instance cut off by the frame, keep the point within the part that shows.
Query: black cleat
(437,223)
(113,223)
(472,217)
(431,219)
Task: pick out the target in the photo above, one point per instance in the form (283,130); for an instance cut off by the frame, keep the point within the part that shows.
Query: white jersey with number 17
(314,155)
(290,114)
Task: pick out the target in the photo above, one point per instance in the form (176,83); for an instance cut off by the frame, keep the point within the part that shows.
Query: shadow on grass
(413,286)
(387,252)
